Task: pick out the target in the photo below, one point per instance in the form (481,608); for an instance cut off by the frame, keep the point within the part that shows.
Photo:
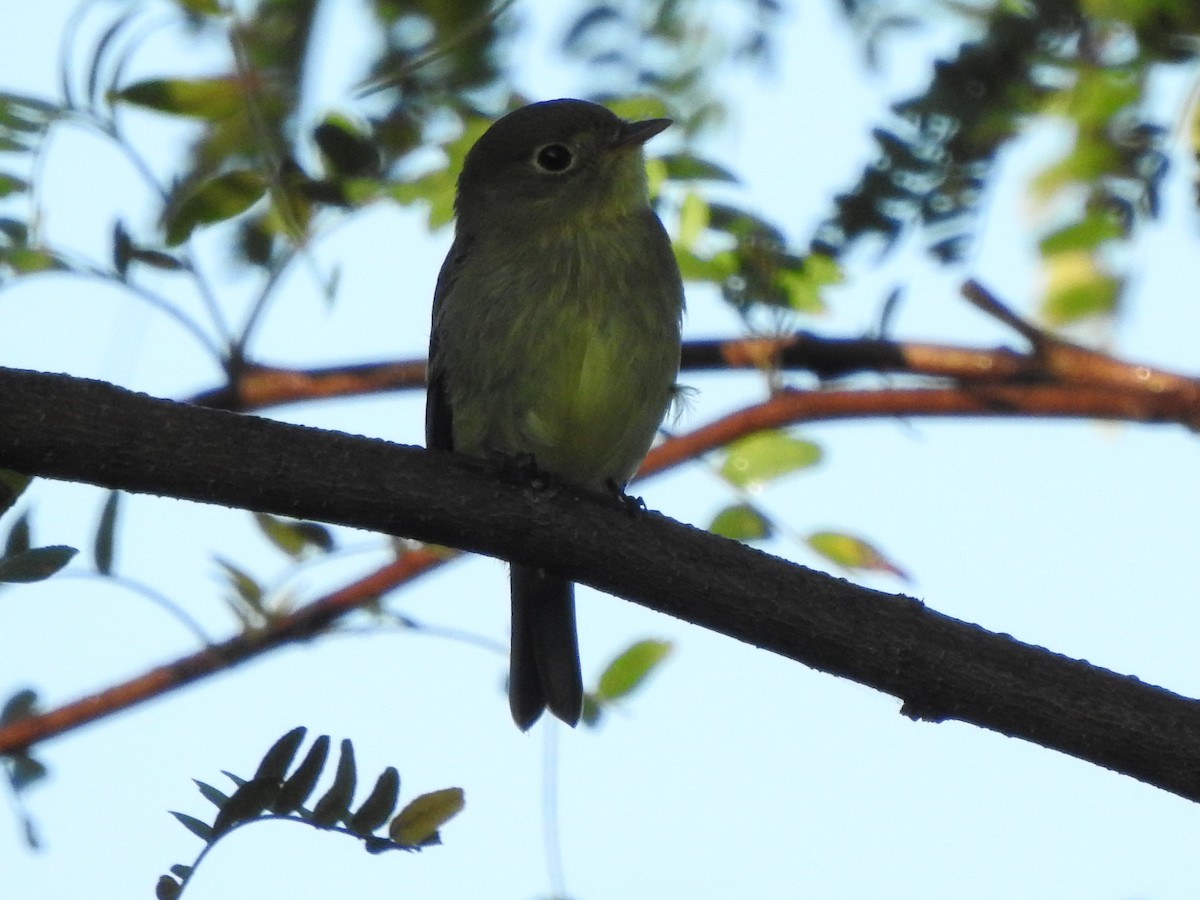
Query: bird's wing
(439,423)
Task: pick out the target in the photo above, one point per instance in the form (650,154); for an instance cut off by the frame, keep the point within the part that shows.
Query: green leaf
(24,771)
(741,522)
(201,7)
(640,107)
(348,150)
(1087,234)
(802,286)
(37,564)
(714,269)
(294,538)
(216,200)
(765,455)
(1077,288)
(686,167)
(243,585)
(31,260)
(418,822)
(213,99)
(248,802)
(276,761)
(11,184)
(852,553)
(18,536)
(12,485)
(20,705)
(630,669)
(167,888)
(335,803)
(200,829)
(693,219)
(379,805)
(103,547)
(211,794)
(297,788)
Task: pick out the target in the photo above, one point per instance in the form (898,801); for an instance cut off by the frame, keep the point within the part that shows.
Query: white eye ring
(554,158)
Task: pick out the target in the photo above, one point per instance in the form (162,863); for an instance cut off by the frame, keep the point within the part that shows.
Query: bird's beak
(634,134)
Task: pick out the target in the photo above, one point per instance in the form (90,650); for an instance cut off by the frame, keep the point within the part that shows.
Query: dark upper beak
(634,134)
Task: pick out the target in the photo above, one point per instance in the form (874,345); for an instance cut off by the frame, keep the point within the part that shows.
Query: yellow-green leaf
(740,522)
(629,670)
(216,200)
(765,455)
(693,219)
(204,98)
(852,553)
(1086,234)
(1077,288)
(419,821)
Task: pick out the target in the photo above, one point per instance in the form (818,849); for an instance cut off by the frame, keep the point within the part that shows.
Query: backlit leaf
(740,522)
(216,200)
(205,98)
(629,670)
(418,822)
(765,455)
(852,553)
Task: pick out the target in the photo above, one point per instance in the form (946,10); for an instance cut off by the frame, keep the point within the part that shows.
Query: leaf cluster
(271,793)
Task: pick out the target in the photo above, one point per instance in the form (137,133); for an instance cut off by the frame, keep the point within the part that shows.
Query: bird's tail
(544,657)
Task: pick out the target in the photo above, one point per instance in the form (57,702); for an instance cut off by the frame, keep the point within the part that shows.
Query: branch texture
(941,668)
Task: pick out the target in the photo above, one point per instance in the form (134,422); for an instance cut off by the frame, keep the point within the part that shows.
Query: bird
(555,337)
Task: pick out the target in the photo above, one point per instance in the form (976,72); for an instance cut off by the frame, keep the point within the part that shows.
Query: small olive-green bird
(555,335)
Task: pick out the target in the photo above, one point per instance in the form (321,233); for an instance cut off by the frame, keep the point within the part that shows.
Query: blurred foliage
(1084,63)
(437,72)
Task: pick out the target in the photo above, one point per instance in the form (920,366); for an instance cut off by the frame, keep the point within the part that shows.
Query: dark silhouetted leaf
(248,802)
(335,803)
(24,770)
(297,788)
(211,794)
(20,705)
(379,805)
(167,888)
(18,536)
(37,564)
(200,829)
(103,548)
(12,485)
(276,761)
(348,151)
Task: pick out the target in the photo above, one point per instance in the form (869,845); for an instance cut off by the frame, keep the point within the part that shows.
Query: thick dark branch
(941,668)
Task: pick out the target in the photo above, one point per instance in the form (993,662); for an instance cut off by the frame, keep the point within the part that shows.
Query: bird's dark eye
(555,158)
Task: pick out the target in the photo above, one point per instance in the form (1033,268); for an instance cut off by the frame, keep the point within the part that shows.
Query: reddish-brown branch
(1057,379)
(310,620)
